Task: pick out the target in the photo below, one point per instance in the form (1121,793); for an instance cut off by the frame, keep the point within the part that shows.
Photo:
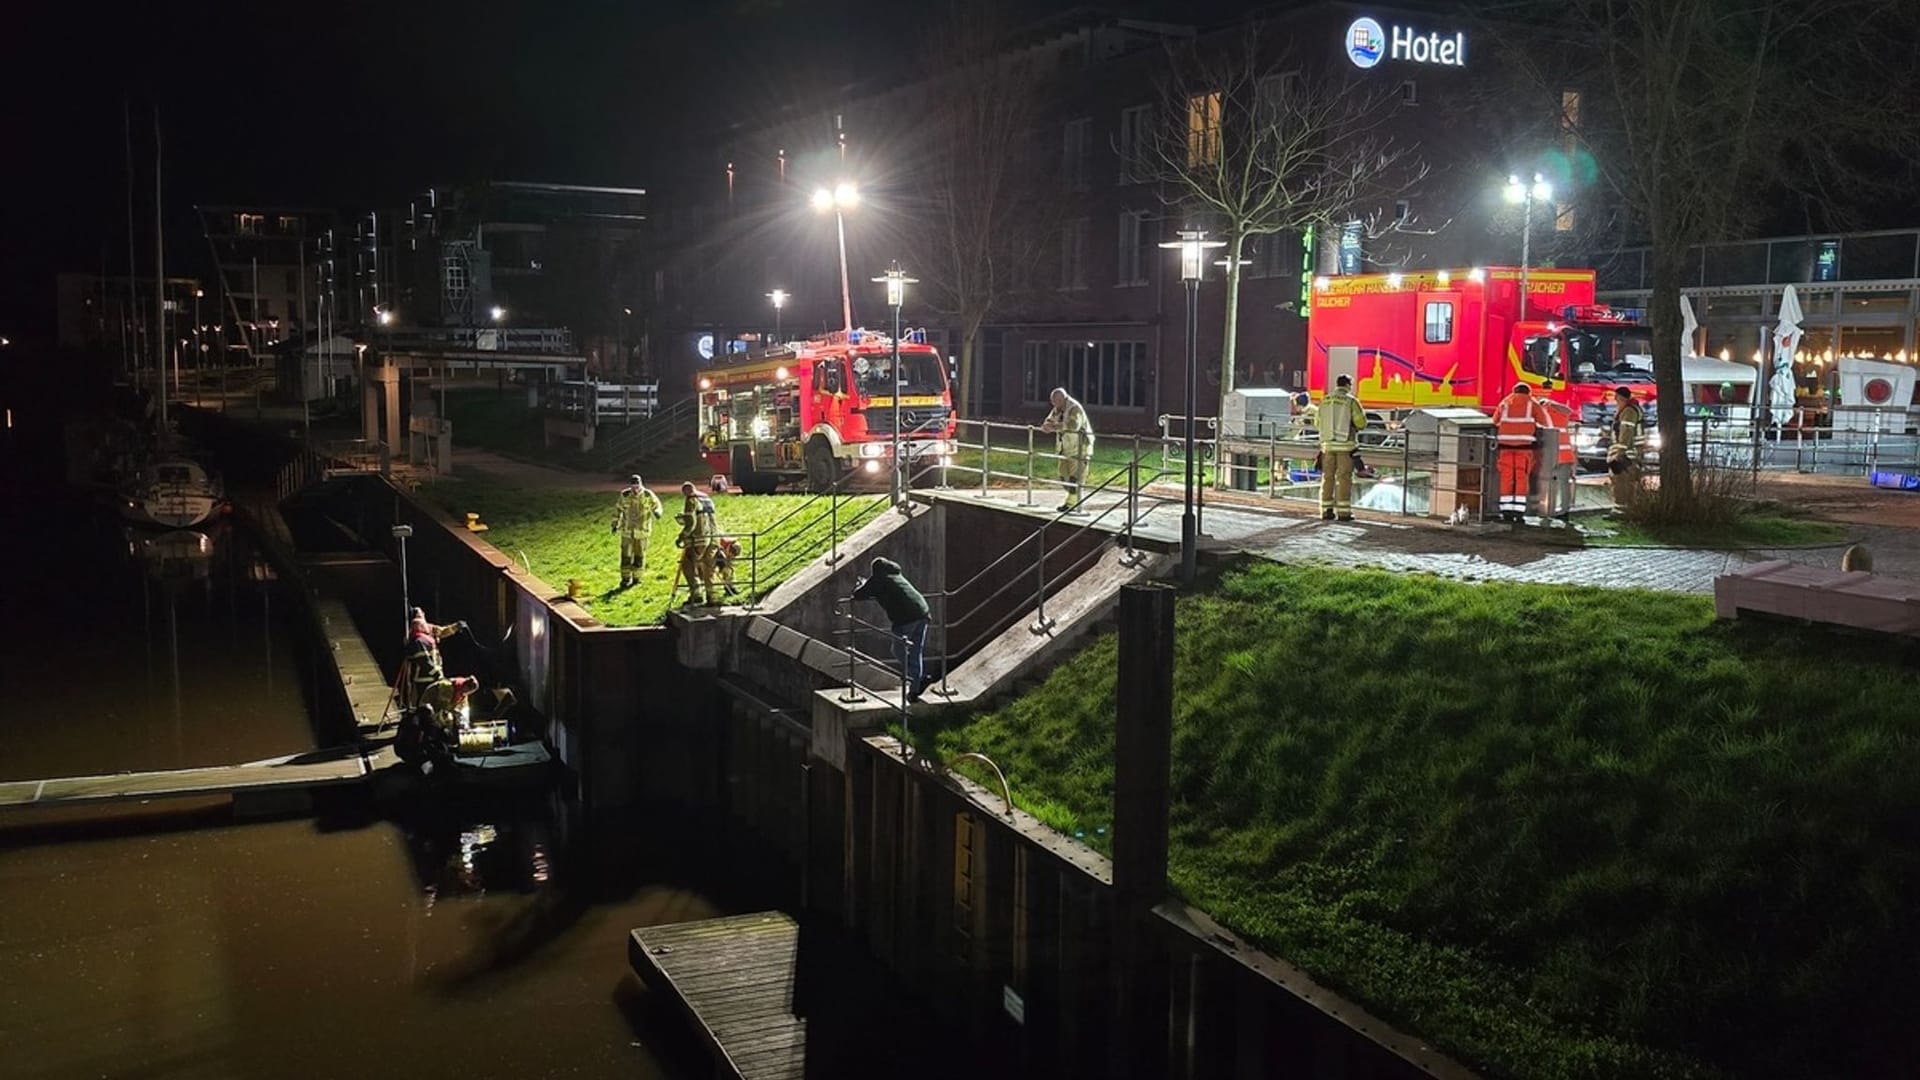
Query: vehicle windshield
(1610,354)
(920,374)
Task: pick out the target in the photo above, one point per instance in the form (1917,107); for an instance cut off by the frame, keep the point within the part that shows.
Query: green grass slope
(1560,832)
(567,534)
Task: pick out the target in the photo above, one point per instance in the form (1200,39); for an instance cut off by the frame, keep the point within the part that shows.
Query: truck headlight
(873,450)
(1653,441)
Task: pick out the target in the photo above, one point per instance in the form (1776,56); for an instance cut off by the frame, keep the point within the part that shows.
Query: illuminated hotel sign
(1368,43)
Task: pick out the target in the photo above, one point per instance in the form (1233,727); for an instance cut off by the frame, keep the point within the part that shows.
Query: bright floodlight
(845,195)
(1542,191)
(822,200)
(1516,191)
(386,317)
(779,298)
(498,313)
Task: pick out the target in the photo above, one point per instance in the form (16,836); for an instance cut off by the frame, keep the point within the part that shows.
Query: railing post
(1029,501)
(852,692)
(1273,463)
(986,454)
(753,570)
(833,523)
(946,630)
(1133,501)
(1041,623)
(1406,477)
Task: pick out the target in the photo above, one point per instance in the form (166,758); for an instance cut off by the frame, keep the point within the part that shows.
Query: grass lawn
(1761,527)
(1560,832)
(566,534)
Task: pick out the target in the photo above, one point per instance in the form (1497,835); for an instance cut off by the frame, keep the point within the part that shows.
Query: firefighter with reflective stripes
(1517,423)
(1339,418)
(1623,448)
(422,667)
(1069,420)
(1560,488)
(633,516)
(698,540)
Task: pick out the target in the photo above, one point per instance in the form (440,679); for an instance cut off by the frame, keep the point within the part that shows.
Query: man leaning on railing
(907,611)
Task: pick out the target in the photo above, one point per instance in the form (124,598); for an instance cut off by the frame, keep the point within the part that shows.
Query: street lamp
(1192,246)
(1526,195)
(843,197)
(779,298)
(896,281)
(499,313)
(384,316)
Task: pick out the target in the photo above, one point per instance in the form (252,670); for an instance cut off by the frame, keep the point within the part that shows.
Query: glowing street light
(384,316)
(1192,246)
(841,198)
(779,298)
(499,313)
(1526,195)
(896,281)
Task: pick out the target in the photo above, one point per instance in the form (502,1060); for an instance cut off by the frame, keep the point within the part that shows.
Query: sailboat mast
(160,334)
(129,318)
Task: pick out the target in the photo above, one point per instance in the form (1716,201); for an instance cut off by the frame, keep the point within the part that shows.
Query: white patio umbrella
(1786,340)
(1688,328)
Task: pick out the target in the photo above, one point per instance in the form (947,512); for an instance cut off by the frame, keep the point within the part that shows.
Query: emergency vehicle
(818,409)
(1459,338)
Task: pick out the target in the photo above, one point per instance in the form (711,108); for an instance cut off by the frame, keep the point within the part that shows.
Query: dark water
(389,935)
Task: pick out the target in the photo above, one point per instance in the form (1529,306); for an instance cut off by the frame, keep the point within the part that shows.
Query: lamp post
(1525,195)
(1192,246)
(842,198)
(779,298)
(896,281)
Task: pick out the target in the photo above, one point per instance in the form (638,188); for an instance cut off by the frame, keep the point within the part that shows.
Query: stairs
(631,446)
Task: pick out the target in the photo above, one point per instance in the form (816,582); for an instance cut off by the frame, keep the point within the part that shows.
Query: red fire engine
(1458,338)
(814,410)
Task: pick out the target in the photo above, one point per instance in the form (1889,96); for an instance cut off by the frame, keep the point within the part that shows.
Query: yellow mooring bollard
(576,588)
(474,524)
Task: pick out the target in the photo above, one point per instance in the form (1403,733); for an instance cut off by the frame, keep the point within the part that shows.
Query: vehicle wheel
(822,470)
(745,477)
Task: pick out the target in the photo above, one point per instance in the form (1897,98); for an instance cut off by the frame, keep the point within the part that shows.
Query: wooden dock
(1814,594)
(285,775)
(734,979)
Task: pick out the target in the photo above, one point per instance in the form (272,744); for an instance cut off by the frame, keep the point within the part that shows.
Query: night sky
(359,104)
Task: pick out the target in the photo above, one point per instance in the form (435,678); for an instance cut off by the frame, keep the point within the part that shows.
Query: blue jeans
(910,648)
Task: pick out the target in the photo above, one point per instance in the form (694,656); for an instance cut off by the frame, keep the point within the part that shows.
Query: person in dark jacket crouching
(907,612)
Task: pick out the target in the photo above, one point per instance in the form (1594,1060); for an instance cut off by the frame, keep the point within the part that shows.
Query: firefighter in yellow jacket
(633,516)
(698,541)
(1517,422)
(1623,447)
(1069,420)
(1339,418)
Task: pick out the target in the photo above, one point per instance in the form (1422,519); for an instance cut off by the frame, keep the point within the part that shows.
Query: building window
(1409,93)
(1036,372)
(1075,152)
(1275,95)
(289,224)
(1136,127)
(1136,248)
(1350,251)
(1563,217)
(1203,129)
(1268,256)
(1439,322)
(247,224)
(1073,255)
(1102,374)
(1569,117)
(1402,212)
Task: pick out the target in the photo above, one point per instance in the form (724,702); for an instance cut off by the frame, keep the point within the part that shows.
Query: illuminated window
(1439,322)
(1203,129)
(1563,217)
(1569,117)
(247,224)
(289,224)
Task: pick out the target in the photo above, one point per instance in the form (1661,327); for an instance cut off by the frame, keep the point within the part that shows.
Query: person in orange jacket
(1517,422)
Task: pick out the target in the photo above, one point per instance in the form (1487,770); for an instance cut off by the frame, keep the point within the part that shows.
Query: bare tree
(1700,114)
(1256,144)
(985,220)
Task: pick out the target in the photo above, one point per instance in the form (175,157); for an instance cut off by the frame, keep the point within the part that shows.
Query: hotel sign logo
(1368,43)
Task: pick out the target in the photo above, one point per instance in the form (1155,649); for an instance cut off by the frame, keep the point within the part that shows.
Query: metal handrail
(1006,793)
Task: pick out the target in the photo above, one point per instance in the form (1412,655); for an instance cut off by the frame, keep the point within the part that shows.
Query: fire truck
(1459,338)
(814,411)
